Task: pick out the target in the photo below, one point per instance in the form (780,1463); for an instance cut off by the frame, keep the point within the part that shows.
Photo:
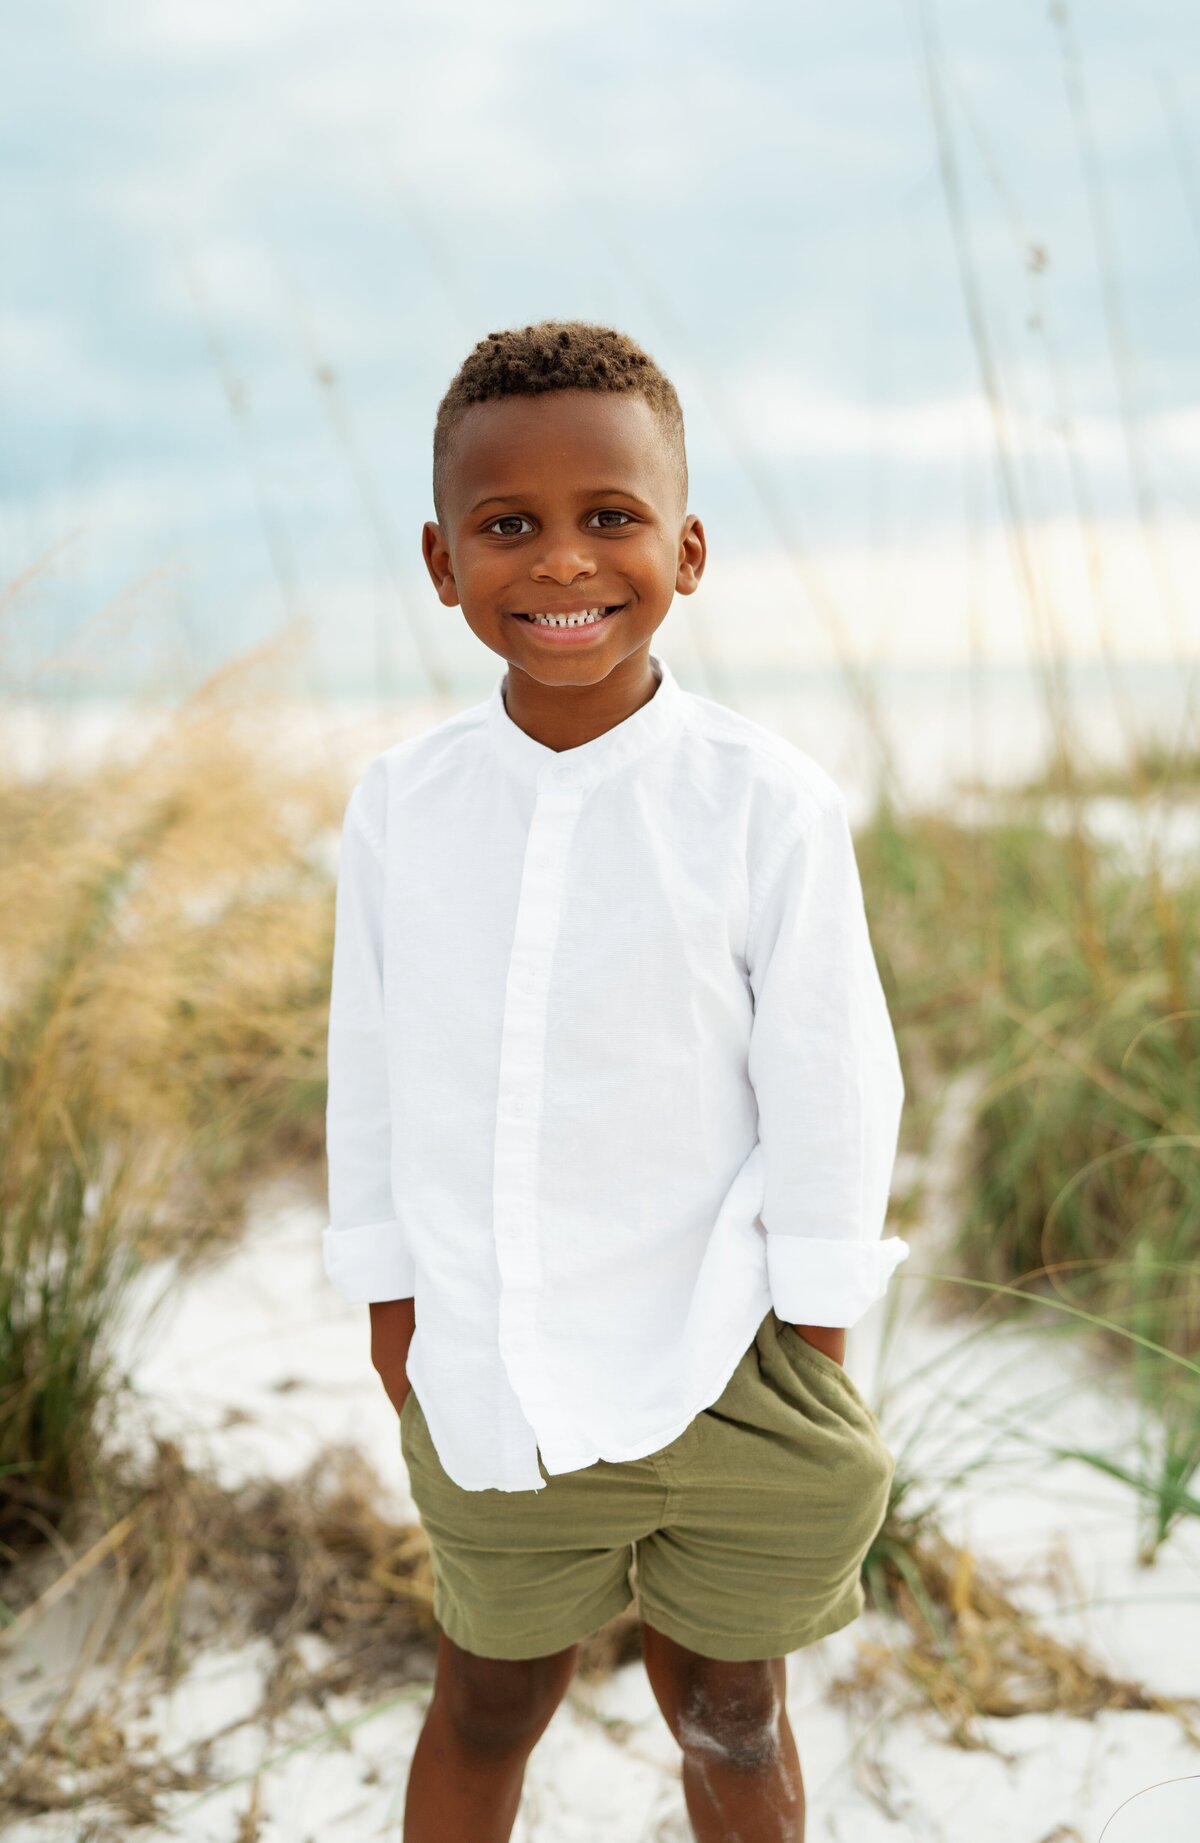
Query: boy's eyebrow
(591,492)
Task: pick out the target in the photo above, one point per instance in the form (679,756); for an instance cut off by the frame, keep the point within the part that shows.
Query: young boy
(613,1109)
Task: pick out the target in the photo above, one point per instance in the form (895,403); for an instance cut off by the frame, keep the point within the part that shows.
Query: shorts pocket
(800,1348)
(870,1461)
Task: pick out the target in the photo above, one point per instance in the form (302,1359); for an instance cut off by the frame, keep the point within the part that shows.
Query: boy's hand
(830,1339)
(393,1322)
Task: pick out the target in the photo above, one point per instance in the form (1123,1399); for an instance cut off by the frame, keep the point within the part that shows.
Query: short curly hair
(556,355)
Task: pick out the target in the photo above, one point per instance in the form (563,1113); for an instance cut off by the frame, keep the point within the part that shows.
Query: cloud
(934,598)
(784,419)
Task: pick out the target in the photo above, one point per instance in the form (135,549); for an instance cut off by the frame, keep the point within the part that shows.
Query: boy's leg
(741,1771)
(483,1721)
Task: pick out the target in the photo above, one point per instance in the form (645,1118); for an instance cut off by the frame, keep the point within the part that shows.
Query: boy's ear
(693,552)
(437,562)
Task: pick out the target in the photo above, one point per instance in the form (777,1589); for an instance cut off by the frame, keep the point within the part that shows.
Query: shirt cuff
(369,1263)
(829,1282)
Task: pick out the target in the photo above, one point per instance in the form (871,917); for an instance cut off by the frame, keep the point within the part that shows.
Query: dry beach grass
(165,933)
(192,1563)
(167,930)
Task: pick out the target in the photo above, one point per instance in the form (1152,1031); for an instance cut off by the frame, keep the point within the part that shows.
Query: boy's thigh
(524,1574)
(781,1487)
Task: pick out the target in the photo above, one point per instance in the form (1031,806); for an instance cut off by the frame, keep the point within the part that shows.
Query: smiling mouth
(575,617)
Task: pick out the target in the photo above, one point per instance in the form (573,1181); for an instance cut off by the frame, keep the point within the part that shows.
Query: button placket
(520,1098)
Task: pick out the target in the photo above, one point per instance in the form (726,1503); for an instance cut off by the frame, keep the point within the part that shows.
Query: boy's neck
(566,716)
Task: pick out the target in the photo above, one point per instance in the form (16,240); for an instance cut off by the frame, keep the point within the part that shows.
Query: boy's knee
(500,1704)
(736,1723)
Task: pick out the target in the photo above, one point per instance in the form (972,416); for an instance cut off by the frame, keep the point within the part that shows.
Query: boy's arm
(392,1324)
(366,1256)
(826,1073)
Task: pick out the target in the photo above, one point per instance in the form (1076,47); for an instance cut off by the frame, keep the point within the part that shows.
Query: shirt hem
(654,1443)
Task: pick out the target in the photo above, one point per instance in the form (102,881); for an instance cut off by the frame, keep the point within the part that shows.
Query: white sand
(257,1365)
(607,1767)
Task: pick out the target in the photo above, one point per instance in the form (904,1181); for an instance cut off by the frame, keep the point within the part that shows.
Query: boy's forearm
(392,1324)
(829,1338)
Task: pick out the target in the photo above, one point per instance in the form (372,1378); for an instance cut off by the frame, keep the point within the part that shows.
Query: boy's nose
(562,567)
(562,559)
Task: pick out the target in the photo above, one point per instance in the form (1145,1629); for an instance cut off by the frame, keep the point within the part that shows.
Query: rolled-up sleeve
(826,1073)
(366,1257)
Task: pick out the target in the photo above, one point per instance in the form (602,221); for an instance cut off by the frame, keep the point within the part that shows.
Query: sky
(246,247)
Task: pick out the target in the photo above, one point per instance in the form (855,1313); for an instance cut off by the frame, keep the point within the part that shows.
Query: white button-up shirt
(611,1072)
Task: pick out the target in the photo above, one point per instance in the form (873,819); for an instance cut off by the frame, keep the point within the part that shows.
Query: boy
(613,1108)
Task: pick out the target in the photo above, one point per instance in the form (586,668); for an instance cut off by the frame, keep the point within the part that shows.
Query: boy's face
(556,503)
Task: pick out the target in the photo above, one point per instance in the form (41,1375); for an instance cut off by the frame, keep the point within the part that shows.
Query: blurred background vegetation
(166,898)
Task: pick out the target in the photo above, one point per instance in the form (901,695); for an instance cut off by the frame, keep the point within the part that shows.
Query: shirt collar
(578,769)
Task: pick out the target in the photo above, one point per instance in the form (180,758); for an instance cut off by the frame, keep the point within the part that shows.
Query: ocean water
(935,727)
(939,727)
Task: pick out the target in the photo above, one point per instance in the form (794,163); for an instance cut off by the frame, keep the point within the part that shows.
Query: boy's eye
(518,518)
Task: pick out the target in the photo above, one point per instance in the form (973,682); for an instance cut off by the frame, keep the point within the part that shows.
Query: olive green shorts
(749,1529)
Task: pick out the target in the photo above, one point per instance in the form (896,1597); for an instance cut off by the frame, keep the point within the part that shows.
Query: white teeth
(583,619)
